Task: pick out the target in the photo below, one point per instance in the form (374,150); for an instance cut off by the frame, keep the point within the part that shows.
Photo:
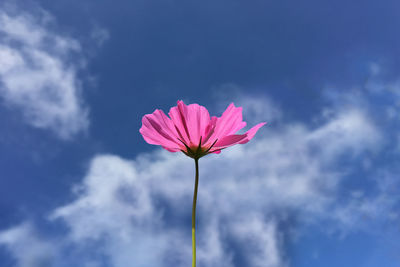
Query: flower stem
(196,184)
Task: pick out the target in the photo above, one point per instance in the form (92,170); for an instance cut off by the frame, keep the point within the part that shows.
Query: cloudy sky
(318,186)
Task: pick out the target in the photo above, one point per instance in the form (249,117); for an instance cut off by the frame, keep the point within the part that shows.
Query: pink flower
(191,130)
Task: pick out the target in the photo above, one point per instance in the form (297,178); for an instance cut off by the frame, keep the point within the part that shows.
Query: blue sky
(317,186)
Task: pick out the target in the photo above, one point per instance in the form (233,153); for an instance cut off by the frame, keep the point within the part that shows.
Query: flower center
(196,152)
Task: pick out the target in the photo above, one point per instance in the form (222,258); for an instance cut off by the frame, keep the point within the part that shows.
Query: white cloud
(138,211)
(365,211)
(242,193)
(37,75)
(258,106)
(29,249)
(350,132)
(262,241)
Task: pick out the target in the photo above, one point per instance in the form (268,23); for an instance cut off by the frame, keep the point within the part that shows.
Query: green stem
(196,184)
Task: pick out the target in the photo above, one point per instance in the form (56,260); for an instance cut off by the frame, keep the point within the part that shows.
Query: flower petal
(209,131)
(230,140)
(178,116)
(252,132)
(152,141)
(166,123)
(154,133)
(171,149)
(229,123)
(197,120)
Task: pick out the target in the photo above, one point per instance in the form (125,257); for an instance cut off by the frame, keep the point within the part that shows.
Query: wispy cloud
(137,212)
(28,248)
(38,72)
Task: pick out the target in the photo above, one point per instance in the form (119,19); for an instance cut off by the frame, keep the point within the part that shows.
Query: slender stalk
(196,184)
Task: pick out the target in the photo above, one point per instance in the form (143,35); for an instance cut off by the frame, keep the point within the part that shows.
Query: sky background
(317,186)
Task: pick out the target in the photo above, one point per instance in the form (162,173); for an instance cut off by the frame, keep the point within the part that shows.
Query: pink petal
(252,132)
(152,141)
(178,116)
(229,123)
(166,123)
(171,149)
(197,120)
(154,132)
(209,131)
(230,140)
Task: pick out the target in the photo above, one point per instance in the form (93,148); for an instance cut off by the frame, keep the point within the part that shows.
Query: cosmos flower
(190,129)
